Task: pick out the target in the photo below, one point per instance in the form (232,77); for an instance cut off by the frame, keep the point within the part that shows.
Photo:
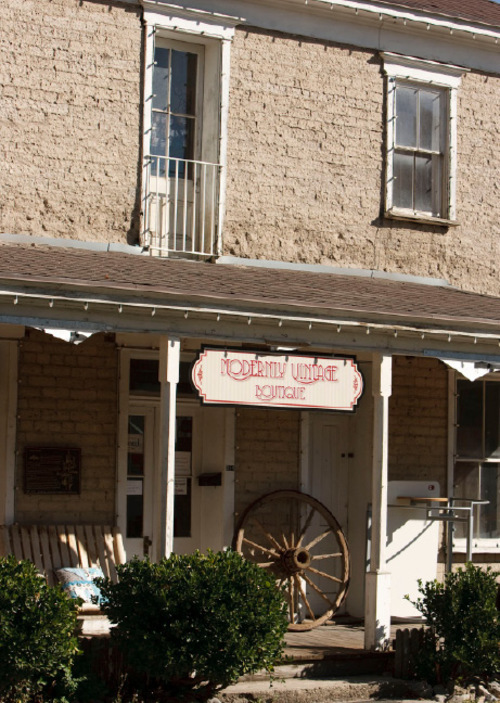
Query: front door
(136,487)
(328,477)
(202,512)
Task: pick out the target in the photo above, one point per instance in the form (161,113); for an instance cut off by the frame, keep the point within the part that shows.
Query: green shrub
(37,636)
(463,637)
(193,624)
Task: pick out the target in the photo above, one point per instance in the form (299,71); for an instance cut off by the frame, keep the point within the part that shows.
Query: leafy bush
(37,635)
(463,637)
(195,623)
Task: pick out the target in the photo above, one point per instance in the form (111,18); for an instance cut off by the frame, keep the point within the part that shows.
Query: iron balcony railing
(181,208)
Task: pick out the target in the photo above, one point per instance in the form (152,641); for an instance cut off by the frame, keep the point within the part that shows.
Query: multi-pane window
(421,136)
(174,105)
(420,146)
(477,466)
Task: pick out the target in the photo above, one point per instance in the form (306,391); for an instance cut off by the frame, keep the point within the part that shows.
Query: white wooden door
(200,512)
(328,483)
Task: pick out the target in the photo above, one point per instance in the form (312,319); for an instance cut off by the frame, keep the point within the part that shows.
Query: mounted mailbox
(236,377)
(213,479)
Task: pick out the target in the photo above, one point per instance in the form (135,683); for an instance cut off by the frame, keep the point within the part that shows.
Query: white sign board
(271,380)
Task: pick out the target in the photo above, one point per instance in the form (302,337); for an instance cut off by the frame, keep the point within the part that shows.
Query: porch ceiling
(112,278)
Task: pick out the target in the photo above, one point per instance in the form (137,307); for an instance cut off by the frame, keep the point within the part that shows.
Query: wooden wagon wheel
(297,538)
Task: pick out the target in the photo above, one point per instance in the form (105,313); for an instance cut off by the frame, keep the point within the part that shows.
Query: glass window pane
(143,378)
(183,87)
(135,463)
(182,502)
(134,516)
(423,183)
(489,518)
(406,116)
(470,419)
(159,134)
(430,120)
(492,414)
(403,180)
(476,481)
(160,79)
(135,472)
(181,141)
(465,485)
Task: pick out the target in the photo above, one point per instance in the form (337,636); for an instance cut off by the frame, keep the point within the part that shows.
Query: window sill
(479,546)
(409,216)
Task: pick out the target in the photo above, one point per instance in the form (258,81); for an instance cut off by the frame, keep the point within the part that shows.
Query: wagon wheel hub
(295,560)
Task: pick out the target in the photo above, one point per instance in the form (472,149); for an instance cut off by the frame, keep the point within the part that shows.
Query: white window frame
(214,32)
(407,70)
(485,545)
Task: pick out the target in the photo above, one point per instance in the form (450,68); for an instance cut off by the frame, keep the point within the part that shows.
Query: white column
(378,580)
(169,378)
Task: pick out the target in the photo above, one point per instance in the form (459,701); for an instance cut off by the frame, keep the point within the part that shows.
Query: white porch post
(378,581)
(169,378)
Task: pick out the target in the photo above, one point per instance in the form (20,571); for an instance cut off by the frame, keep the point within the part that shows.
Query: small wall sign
(235,377)
(52,470)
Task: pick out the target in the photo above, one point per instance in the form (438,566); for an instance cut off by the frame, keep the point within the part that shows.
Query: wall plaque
(52,470)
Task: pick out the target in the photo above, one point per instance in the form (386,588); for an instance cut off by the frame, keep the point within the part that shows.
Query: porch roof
(83,274)
(483,11)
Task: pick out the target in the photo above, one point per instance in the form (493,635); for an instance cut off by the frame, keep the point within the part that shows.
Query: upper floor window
(421,139)
(185,114)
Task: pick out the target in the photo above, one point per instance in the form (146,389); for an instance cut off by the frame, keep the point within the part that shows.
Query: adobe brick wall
(305,158)
(305,146)
(69,111)
(266,453)
(418,421)
(68,397)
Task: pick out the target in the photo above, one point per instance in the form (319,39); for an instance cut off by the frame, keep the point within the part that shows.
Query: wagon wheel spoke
(251,543)
(291,608)
(284,518)
(300,588)
(323,574)
(326,556)
(307,525)
(269,536)
(318,539)
(318,590)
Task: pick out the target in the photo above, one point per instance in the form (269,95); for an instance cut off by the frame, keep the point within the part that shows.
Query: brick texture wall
(69,114)
(306,151)
(266,453)
(68,397)
(418,421)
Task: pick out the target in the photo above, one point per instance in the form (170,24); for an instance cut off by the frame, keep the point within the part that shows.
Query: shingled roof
(483,11)
(125,277)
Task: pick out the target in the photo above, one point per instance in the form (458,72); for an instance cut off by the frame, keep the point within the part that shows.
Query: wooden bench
(52,547)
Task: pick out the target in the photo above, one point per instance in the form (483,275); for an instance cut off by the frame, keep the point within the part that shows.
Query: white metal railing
(181,207)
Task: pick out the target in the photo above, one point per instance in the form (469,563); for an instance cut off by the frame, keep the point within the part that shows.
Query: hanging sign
(235,377)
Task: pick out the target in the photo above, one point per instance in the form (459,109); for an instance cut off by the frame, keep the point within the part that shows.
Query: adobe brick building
(286,179)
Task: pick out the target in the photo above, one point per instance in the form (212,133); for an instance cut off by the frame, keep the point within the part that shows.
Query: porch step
(351,663)
(326,690)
